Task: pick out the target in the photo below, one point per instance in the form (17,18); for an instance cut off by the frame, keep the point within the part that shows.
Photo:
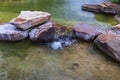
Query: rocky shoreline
(38,27)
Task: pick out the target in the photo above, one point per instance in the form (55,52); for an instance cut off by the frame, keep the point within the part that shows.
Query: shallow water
(25,60)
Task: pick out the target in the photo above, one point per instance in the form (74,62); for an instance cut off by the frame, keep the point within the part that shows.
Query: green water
(25,60)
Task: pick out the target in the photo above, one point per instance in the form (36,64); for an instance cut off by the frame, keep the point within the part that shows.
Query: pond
(25,60)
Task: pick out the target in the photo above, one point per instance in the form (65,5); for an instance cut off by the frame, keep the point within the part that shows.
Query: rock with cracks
(44,32)
(110,44)
(106,7)
(28,19)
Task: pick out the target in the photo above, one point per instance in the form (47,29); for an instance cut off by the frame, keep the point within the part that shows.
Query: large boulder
(87,32)
(106,7)
(110,44)
(9,32)
(44,32)
(28,19)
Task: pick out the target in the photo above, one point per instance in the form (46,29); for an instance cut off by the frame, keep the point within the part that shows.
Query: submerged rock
(109,43)
(87,32)
(106,7)
(10,33)
(44,32)
(28,19)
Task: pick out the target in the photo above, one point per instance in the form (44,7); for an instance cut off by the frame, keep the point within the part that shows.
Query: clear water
(25,60)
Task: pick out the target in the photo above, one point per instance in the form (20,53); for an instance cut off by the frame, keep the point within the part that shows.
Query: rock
(28,19)
(110,44)
(90,7)
(44,32)
(114,30)
(117,26)
(87,32)
(109,7)
(9,32)
(117,17)
(106,7)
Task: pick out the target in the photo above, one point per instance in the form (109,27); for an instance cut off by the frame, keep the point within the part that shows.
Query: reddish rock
(28,19)
(87,32)
(91,7)
(110,44)
(109,7)
(105,7)
(44,32)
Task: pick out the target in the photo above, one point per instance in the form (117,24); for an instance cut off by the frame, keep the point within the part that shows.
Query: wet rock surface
(106,7)
(90,7)
(9,32)
(28,19)
(87,32)
(64,36)
(44,32)
(109,43)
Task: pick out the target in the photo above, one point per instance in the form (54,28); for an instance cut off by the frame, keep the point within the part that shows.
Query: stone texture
(110,44)
(109,7)
(87,32)
(44,32)
(106,7)
(90,7)
(10,33)
(28,19)
(117,17)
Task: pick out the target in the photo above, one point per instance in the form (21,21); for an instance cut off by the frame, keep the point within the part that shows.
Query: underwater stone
(10,33)
(28,19)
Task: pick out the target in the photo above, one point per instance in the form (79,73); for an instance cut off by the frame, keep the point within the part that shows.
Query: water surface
(25,60)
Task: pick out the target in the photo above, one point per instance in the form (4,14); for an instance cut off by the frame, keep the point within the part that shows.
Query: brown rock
(110,44)
(44,32)
(91,7)
(28,19)
(109,7)
(106,7)
(87,32)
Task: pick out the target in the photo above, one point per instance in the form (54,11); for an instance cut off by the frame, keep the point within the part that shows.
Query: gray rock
(28,19)
(110,44)
(10,33)
(87,32)
(44,32)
